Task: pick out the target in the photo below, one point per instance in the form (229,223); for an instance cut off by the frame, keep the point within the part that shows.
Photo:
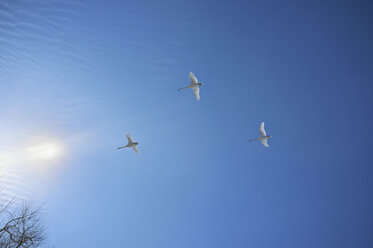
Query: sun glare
(47,151)
(26,164)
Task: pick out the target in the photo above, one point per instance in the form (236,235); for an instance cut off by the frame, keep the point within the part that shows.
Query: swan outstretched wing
(136,150)
(196,93)
(130,140)
(264,142)
(261,130)
(193,79)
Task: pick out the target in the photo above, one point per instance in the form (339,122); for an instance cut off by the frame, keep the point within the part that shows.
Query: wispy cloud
(35,32)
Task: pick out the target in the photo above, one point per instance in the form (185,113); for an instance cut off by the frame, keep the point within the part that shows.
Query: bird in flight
(130,144)
(193,85)
(263,136)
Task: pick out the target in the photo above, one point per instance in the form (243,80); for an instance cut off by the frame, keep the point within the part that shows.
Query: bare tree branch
(21,227)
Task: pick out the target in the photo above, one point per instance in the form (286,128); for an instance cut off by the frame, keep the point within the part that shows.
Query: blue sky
(76,77)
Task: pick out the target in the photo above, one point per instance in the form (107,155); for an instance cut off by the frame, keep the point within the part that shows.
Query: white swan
(193,85)
(130,144)
(263,136)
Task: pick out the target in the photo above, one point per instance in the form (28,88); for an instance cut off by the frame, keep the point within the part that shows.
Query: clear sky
(75,77)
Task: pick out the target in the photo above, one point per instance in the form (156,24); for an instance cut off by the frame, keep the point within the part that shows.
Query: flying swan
(193,85)
(130,144)
(263,136)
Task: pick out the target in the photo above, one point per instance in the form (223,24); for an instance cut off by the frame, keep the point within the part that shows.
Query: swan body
(193,85)
(263,136)
(131,143)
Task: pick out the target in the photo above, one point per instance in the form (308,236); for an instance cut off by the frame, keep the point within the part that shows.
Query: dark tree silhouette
(21,226)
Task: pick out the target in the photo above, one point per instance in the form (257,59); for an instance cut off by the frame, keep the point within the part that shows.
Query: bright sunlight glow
(47,151)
